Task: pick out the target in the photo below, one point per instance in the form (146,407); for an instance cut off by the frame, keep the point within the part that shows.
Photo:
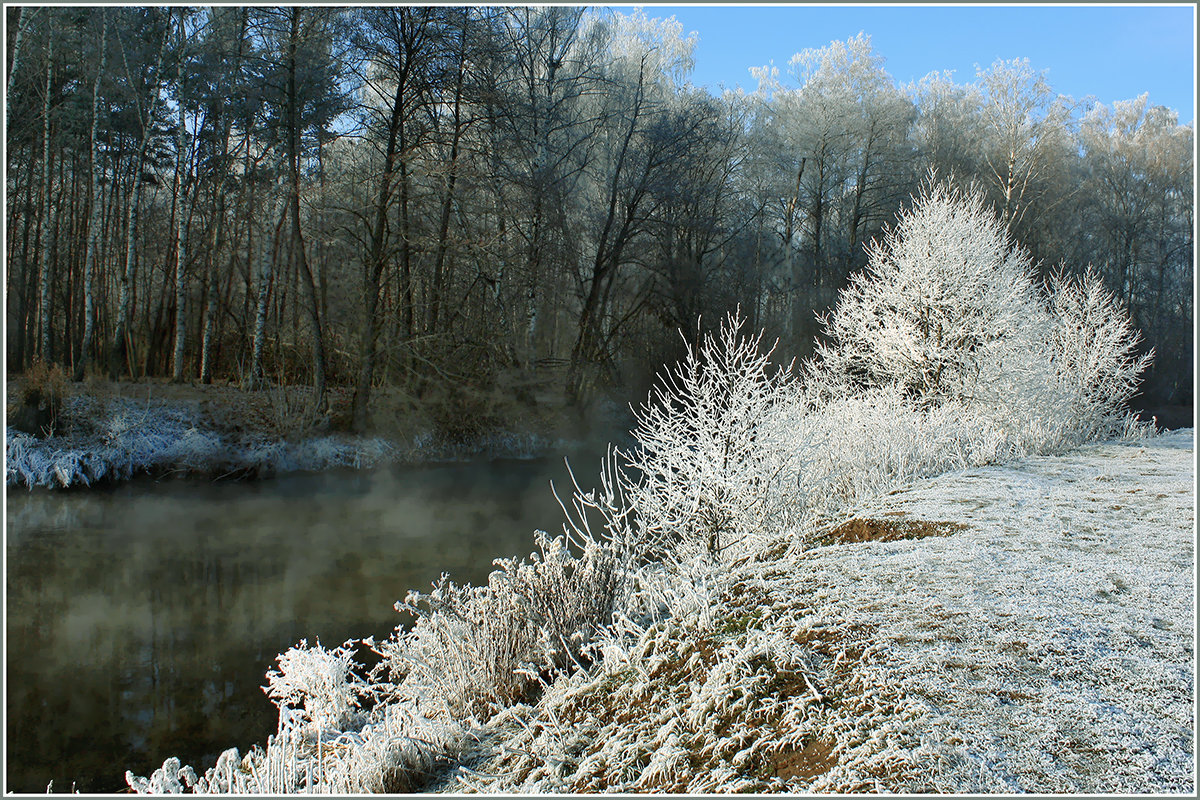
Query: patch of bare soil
(815,759)
(888,530)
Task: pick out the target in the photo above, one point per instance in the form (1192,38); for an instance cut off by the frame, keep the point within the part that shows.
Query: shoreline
(107,436)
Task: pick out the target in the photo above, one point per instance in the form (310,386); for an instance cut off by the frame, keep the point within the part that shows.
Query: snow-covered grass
(114,439)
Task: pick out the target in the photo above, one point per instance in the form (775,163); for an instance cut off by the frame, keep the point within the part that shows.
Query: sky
(1109,52)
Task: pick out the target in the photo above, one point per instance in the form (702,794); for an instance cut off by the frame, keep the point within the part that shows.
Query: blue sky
(1106,51)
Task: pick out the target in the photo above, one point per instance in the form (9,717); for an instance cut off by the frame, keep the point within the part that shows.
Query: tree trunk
(376,262)
(793,325)
(180,221)
(439,274)
(212,297)
(608,256)
(23,19)
(300,260)
(265,263)
(44,309)
(118,355)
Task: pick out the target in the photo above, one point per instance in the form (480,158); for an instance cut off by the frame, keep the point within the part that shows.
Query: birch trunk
(120,331)
(180,221)
(95,221)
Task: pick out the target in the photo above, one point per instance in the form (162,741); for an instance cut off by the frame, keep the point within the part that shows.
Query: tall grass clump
(475,648)
(39,407)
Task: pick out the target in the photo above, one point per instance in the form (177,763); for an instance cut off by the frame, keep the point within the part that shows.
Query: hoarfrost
(120,438)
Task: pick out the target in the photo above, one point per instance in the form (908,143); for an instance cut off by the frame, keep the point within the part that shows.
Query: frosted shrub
(170,778)
(321,683)
(946,308)
(944,354)
(1094,351)
(569,598)
(709,467)
(947,313)
(471,646)
(878,440)
(476,646)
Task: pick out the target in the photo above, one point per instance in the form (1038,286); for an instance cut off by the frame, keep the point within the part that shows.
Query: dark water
(142,618)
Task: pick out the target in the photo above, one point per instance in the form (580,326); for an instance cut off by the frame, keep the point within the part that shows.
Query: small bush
(321,683)
(40,404)
(710,465)
(1094,354)
(480,646)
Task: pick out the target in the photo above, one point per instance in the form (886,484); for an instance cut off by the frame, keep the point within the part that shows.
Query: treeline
(437,195)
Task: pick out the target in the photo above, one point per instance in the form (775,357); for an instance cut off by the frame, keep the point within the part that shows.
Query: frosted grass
(117,439)
(1048,648)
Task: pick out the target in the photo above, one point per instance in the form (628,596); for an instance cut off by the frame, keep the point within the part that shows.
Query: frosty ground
(1045,647)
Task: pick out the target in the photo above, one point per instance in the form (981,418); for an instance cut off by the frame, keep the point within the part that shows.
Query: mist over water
(142,618)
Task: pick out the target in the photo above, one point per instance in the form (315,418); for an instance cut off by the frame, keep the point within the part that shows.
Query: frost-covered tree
(948,130)
(946,308)
(1094,349)
(1026,129)
(710,463)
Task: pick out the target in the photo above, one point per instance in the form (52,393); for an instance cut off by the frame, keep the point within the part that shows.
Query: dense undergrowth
(943,355)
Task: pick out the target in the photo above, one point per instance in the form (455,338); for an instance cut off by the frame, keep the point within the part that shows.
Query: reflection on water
(141,619)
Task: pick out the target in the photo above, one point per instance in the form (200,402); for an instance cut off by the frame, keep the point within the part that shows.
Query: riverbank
(1019,628)
(111,431)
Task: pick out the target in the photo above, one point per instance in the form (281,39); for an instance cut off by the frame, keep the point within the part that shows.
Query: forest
(438,196)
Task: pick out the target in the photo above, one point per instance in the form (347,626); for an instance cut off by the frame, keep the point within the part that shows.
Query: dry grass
(35,402)
(815,759)
(865,529)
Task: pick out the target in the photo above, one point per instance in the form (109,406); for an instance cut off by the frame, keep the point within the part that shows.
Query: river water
(143,617)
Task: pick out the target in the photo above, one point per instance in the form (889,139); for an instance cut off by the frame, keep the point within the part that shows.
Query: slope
(1041,642)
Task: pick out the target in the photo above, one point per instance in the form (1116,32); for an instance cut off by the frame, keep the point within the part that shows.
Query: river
(142,617)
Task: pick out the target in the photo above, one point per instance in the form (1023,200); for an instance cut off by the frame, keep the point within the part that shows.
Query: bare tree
(181,164)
